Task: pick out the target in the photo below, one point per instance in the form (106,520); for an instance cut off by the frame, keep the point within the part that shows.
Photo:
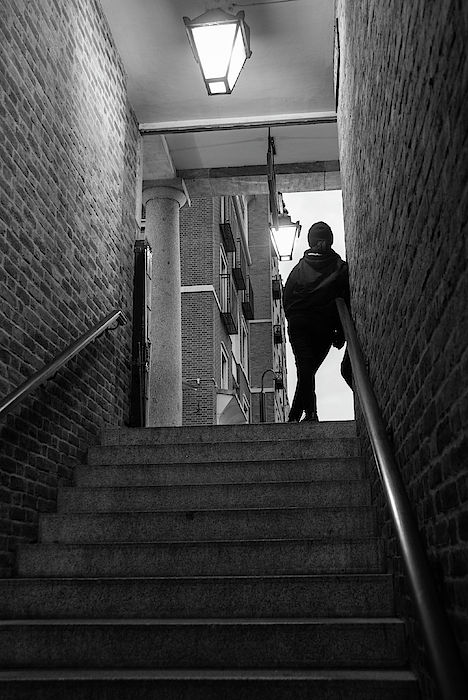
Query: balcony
(248,302)
(228,237)
(239,267)
(276,288)
(229,304)
(277,334)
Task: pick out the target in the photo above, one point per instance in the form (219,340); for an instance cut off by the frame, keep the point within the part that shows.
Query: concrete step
(257,557)
(339,595)
(202,525)
(258,432)
(207,684)
(223,451)
(197,497)
(115,475)
(210,643)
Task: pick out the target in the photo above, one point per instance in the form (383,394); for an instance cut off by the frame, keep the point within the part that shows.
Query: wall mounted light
(221,44)
(284,237)
(284,232)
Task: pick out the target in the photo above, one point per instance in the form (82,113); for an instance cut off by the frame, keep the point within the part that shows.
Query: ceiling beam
(250,180)
(225,124)
(318,166)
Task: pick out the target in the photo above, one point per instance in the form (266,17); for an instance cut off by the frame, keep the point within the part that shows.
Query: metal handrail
(8,403)
(438,637)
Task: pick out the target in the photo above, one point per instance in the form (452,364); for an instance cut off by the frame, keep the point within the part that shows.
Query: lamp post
(221,45)
(278,385)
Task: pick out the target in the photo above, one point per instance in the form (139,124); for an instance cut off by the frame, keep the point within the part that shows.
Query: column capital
(164,192)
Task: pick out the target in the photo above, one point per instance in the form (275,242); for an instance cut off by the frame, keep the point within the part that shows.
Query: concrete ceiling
(286,85)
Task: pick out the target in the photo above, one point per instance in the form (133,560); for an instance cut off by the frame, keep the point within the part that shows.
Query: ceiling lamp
(221,44)
(284,237)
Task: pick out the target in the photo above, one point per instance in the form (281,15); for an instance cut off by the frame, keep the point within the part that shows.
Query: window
(244,348)
(224,369)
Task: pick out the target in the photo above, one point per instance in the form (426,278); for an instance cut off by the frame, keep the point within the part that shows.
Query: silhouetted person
(313,321)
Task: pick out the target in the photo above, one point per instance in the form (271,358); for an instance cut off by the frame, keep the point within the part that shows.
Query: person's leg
(310,345)
(299,338)
(305,389)
(319,350)
(346,370)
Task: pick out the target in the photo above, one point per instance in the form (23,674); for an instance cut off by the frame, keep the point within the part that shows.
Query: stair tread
(203,622)
(294,509)
(310,469)
(232,484)
(211,602)
(195,543)
(122,673)
(230,452)
(266,432)
(229,577)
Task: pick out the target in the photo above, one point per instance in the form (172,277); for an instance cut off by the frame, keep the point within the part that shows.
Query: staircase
(233,562)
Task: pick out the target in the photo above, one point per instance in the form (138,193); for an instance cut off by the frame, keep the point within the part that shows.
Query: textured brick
(402,110)
(66,229)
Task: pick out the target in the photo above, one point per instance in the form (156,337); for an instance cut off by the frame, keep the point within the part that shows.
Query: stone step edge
(329,441)
(207,622)
(82,471)
(341,460)
(215,433)
(194,543)
(322,510)
(192,579)
(216,484)
(274,674)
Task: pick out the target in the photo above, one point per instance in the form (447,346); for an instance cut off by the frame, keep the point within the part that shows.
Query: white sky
(334,397)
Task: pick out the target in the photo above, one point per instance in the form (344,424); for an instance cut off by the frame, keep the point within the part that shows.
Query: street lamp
(221,44)
(283,231)
(278,377)
(284,237)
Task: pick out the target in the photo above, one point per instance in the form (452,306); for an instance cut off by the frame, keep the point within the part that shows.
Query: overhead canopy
(287,83)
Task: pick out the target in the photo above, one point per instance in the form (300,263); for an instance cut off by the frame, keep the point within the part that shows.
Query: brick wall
(203,330)
(261,329)
(197,266)
(198,258)
(67,180)
(199,312)
(403,100)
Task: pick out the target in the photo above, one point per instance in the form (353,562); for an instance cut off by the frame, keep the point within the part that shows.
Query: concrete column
(165,373)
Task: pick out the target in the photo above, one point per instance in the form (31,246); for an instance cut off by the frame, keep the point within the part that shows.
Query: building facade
(225,285)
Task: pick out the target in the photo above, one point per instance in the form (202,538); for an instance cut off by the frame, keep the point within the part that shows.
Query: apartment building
(233,342)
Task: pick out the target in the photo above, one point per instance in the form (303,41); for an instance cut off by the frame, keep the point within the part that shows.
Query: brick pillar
(165,373)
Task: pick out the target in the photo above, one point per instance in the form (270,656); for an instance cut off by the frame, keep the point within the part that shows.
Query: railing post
(438,637)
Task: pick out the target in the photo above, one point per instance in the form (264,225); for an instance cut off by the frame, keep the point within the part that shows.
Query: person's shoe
(310,418)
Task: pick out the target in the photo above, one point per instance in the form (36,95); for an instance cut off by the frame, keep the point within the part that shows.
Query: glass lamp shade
(284,237)
(220,44)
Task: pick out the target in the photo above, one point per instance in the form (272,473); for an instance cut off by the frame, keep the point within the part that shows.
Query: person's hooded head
(320,237)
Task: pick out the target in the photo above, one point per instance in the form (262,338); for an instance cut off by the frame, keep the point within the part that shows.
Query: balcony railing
(276,288)
(239,267)
(228,237)
(248,301)
(229,304)
(277,334)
